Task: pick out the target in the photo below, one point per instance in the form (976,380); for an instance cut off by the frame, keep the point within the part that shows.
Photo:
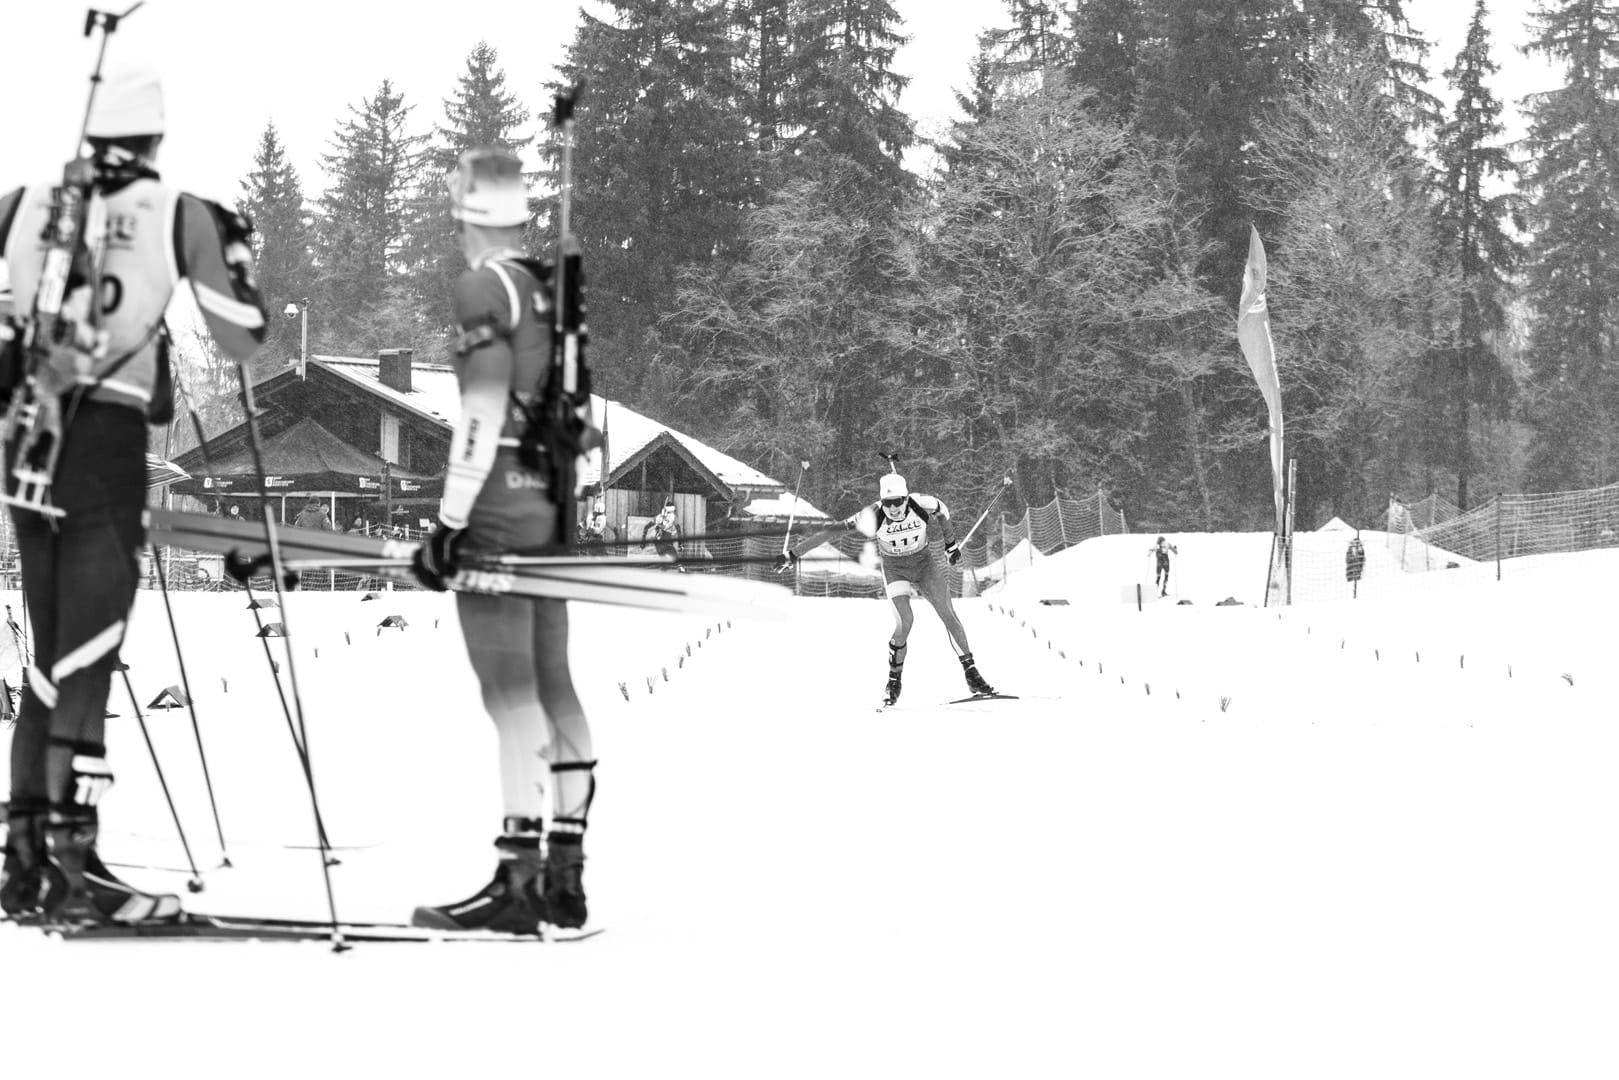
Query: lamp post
(300,311)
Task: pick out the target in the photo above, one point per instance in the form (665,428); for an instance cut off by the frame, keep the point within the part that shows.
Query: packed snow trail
(1362,866)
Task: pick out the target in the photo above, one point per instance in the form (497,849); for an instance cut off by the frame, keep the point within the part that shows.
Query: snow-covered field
(1370,838)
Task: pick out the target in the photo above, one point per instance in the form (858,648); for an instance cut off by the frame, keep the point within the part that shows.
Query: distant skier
(1162,550)
(596,534)
(915,539)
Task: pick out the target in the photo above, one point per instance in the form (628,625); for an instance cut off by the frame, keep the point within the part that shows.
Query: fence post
(1427,539)
(1101,512)
(1062,527)
(1498,536)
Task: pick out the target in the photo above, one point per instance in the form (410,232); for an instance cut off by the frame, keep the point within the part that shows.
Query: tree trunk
(1194,445)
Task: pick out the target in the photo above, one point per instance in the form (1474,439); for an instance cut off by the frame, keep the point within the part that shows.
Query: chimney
(394,369)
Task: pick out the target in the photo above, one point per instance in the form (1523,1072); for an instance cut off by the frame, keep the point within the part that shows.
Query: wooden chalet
(370,437)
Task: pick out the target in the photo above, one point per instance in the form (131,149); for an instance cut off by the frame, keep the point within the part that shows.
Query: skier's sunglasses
(893,503)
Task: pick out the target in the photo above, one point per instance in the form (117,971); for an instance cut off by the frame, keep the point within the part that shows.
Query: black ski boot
(896,664)
(564,880)
(80,890)
(511,902)
(21,878)
(975,681)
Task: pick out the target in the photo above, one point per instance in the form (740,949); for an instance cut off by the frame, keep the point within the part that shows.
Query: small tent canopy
(307,457)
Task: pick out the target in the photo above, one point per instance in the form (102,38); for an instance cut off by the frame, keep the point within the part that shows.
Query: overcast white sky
(230,67)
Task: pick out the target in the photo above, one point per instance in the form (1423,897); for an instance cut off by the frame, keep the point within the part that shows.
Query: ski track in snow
(1353,839)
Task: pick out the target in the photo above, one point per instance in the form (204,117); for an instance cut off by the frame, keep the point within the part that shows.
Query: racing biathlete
(915,540)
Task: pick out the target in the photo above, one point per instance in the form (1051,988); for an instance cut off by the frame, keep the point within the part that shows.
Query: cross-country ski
(198,927)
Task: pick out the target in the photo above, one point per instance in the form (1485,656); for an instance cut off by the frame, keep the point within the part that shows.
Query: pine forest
(1051,294)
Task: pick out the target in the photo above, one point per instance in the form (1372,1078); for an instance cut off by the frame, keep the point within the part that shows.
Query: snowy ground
(1348,839)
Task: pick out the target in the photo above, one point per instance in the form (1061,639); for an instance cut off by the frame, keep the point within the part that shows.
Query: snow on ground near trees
(1368,838)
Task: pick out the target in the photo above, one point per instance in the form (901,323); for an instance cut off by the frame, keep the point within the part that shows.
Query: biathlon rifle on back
(61,335)
(560,429)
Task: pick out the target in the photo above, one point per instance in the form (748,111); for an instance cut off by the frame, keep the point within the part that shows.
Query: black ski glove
(437,560)
(785,560)
(953,553)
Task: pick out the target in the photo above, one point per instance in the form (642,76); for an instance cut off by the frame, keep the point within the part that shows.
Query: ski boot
(975,681)
(564,879)
(511,902)
(21,877)
(896,664)
(80,890)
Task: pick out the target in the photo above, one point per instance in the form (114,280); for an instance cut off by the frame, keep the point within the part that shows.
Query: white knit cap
(127,103)
(486,188)
(892,486)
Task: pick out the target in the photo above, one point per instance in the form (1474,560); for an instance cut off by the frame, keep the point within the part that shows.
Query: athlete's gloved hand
(785,560)
(953,553)
(437,560)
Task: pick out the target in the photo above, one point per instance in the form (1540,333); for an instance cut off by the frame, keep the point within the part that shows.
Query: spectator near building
(314,515)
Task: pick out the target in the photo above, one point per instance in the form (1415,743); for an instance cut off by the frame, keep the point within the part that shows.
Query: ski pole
(1006,482)
(279,583)
(195,884)
(191,707)
(803,467)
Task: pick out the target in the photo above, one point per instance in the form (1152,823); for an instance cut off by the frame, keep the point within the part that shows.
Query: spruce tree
(1474,214)
(366,218)
(1107,38)
(1572,282)
(1381,29)
(1209,69)
(849,100)
(273,198)
(769,78)
(662,166)
(1037,41)
(481,112)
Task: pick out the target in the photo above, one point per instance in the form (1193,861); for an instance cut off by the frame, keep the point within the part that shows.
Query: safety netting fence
(1433,534)
(1428,534)
(844,566)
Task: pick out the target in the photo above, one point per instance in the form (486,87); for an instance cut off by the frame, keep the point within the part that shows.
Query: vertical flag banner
(1253,334)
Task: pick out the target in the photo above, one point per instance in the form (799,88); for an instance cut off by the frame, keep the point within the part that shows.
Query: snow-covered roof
(434,395)
(782,505)
(824,560)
